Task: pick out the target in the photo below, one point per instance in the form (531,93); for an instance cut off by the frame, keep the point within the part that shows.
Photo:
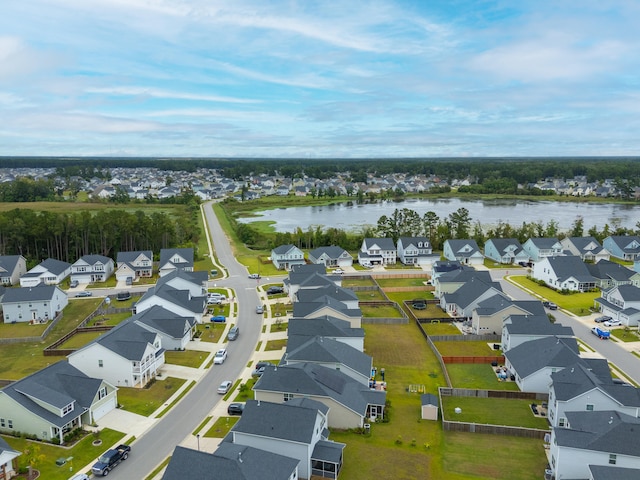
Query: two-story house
(12,267)
(587,248)
(302,329)
(610,274)
(37,304)
(519,329)
(539,248)
(622,303)
(505,250)
(624,247)
(415,251)
(377,251)
(284,257)
(464,251)
(92,268)
(48,272)
(134,265)
(175,259)
(489,315)
(180,302)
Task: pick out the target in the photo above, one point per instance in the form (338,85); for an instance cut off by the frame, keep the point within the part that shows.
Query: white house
(12,267)
(505,250)
(415,251)
(37,304)
(466,251)
(564,273)
(622,303)
(92,268)
(286,256)
(175,259)
(331,257)
(134,265)
(7,456)
(587,248)
(539,248)
(180,302)
(377,251)
(48,272)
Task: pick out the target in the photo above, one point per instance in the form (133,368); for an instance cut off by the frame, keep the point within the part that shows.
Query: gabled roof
(606,431)
(536,325)
(545,243)
(382,243)
(304,309)
(186,254)
(181,298)
(611,472)
(198,278)
(59,385)
(329,351)
(331,252)
(470,291)
(284,249)
(8,263)
(502,244)
(325,326)
(130,257)
(608,270)
(38,293)
(330,290)
(267,419)
(93,260)
(530,357)
(463,248)
(5,449)
(229,462)
(586,244)
(443,266)
(465,276)
(127,339)
(51,265)
(570,266)
(162,320)
(629,293)
(626,243)
(414,241)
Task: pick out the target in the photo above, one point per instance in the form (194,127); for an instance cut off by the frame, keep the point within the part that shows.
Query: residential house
(175,331)
(12,267)
(564,273)
(37,304)
(92,268)
(415,251)
(533,362)
(624,247)
(323,293)
(465,251)
(128,355)
(303,436)
(194,282)
(301,329)
(579,389)
(608,472)
(48,272)
(54,401)
(610,274)
(507,251)
(451,281)
(489,315)
(175,259)
(7,456)
(621,303)
(377,251)
(230,461)
(539,248)
(351,403)
(462,302)
(330,307)
(286,256)
(180,302)
(307,279)
(134,265)
(331,257)
(605,438)
(587,248)
(518,329)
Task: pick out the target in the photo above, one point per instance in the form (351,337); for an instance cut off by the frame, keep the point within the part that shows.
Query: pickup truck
(108,460)
(600,333)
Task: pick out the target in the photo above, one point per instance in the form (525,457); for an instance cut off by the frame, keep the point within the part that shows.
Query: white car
(225,387)
(339,271)
(612,323)
(220,356)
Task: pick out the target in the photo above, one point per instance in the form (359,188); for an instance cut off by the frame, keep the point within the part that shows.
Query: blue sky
(346,78)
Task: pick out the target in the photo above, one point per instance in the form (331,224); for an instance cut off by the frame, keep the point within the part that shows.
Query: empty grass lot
(145,401)
(493,411)
(576,303)
(186,358)
(477,376)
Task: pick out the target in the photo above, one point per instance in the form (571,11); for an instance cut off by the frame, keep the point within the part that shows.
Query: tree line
(69,236)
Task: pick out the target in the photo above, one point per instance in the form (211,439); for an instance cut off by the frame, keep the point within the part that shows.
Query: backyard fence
(8,341)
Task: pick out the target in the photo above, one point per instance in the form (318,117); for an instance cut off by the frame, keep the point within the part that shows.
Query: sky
(319,78)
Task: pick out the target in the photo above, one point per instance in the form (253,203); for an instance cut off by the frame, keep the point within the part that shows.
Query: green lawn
(21,330)
(186,358)
(466,349)
(370,295)
(80,339)
(576,303)
(145,401)
(210,332)
(245,394)
(83,453)
(626,335)
(441,329)
(221,427)
(493,411)
(402,282)
(280,309)
(401,297)
(112,319)
(275,345)
(279,327)
(381,311)
(357,282)
(478,376)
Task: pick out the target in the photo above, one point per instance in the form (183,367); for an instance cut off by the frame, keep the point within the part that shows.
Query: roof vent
(240,457)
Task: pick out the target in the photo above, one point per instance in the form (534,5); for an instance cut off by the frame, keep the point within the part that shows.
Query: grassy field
(577,303)
(21,330)
(493,411)
(80,339)
(349,282)
(370,296)
(278,327)
(380,311)
(441,329)
(186,358)
(625,335)
(145,401)
(83,453)
(479,376)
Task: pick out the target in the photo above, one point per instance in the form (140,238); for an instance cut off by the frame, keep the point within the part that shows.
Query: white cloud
(159,93)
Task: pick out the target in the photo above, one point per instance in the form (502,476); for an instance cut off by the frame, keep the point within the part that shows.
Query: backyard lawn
(466,349)
(493,411)
(576,303)
(145,401)
(441,328)
(380,311)
(80,340)
(479,376)
(275,344)
(403,282)
(370,296)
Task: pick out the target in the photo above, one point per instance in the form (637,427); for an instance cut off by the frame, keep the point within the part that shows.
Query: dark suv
(274,290)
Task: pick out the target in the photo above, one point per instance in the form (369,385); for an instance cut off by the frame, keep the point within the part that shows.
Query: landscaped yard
(221,427)
(112,319)
(186,358)
(210,332)
(480,376)
(280,309)
(275,344)
(279,326)
(380,311)
(625,335)
(21,330)
(145,401)
(83,453)
(576,303)
(493,411)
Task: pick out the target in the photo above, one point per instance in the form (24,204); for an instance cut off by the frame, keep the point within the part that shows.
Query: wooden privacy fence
(473,360)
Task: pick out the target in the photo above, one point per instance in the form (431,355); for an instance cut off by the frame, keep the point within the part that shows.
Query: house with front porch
(331,257)
(36,305)
(564,273)
(48,272)
(579,389)
(464,251)
(175,259)
(623,247)
(92,268)
(587,248)
(621,303)
(284,257)
(8,469)
(54,401)
(542,247)
(328,307)
(610,274)
(128,355)
(507,251)
(415,251)
(377,251)
(605,438)
(304,436)
(135,265)
(194,282)
(12,267)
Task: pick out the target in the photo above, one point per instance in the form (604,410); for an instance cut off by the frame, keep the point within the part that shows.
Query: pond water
(350,216)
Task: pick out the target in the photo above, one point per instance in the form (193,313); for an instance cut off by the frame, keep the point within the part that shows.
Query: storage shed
(429,409)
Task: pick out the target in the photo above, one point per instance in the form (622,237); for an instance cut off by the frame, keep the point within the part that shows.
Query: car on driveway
(219,318)
(258,372)
(84,294)
(338,271)
(220,356)
(74,283)
(602,319)
(274,290)
(225,387)
(612,323)
(235,408)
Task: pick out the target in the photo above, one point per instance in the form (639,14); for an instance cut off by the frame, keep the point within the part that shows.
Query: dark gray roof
(55,266)
(606,431)
(470,291)
(8,263)
(59,385)
(611,472)
(328,451)
(95,259)
(383,243)
(464,275)
(536,325)
(429,399)
(626,242)
(130,257)
(305,309)
(443,266)
(229,462)
(162,320)
(408,241)
(544,242)
(285,421)
(501,244)
(127,339)
(532,356)
(629,293)
(570,266)
(326,350)
(284,249)
(325,326)
(606,269)
(332,252)
(5,447)
(457,245)
(25,294)
(197,278)
(181,298)
(307,269)
(185,253)
(581,244)
(331,290)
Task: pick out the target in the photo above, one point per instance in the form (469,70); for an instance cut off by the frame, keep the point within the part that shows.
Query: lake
(350,216)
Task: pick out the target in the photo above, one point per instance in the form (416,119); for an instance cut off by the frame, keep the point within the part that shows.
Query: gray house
(175,331)
(519,329)
(610,274)
(12,267)
(587,248)
(622,303)
(542,247)
(134,265)
(328,306)
(302,329)
(465,251)
(624,247)
(7,456)
(331,256)
(175,259)
(37,304)
(505,250)
(285,257)
(48,272)
(463,301)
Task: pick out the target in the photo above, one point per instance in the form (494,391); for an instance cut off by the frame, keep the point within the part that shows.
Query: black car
(274,290)
(235,408)
(602,319)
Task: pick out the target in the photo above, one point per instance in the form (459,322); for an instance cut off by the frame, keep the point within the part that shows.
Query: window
(287,396)
(589,407)
(613,459)
(10,423)
(100,363)
(2,424)
(67,409)
(102,393)
(562,422)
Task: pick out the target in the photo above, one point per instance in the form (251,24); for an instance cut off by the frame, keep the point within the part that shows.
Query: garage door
(102,410)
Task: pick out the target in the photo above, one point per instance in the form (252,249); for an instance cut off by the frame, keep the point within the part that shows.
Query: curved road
(159,441)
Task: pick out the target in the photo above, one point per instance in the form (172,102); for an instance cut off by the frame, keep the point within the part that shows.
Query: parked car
(122,296)
(260,309)
(110,459)
(338,271)
(600,333)
(258,372)
(233,333)
(220,356)
(219,318)
(225,387)
(235,408)
(550,305)
(612,323)
(254,276)
(602,319)
(214,301)
(129,281)
(84,294)
(73,283)
(274,290)
(80,476)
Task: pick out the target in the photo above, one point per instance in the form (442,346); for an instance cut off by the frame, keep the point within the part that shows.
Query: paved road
(159,442)
(624,360)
